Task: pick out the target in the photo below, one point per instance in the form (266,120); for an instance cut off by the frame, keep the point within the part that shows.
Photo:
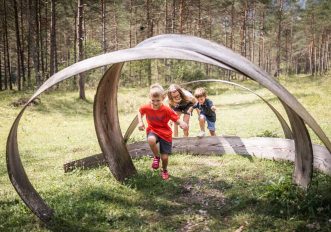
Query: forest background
(39,38)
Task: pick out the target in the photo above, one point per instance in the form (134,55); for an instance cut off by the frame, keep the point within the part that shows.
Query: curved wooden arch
(239,63)
(171,47)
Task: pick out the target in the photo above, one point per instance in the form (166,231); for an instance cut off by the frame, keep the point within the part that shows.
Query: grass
(214,193)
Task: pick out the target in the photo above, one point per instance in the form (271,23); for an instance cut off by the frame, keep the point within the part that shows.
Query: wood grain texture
(260,147)
(107,125)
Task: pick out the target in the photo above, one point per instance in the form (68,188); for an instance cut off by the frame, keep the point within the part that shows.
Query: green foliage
(192,75)
(268,133)
(288,199)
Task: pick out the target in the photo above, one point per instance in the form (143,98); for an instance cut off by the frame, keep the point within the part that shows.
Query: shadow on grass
(145,202)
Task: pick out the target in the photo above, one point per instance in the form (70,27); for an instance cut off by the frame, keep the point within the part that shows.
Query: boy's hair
(200,92)
(156,90)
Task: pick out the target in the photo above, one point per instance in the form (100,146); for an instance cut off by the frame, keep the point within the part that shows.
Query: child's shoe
(156,162)
(165,175)
(201,134)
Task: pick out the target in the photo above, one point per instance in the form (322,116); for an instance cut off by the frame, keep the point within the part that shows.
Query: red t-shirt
(158,120)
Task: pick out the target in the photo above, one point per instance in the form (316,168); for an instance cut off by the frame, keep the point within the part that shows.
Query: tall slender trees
(16,72)
(279,35)
(53,49)
(80,39)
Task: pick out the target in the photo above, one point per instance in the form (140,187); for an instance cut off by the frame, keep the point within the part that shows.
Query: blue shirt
(205,109)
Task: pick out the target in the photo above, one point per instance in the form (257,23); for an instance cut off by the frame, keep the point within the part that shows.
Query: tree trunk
(116,29)
(18,48)
(166,17)
(43,44)
(36,45)
(173,20)
(287,42)
(261,42)
(327,53)
(291,49)
(1,70)
(199,18)
(46,42)
(252,37)
(80,38)
(181,16)
(52,58)
(6,50)
(232,26)
(243,31)
(130,34)
(150,34)
(130,42)
(135,28)
(22,45)
(4,61)
(103,22)
(279,34)
(30,38)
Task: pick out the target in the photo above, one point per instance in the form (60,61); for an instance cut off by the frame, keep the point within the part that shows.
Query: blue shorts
(165,146)
(210,124)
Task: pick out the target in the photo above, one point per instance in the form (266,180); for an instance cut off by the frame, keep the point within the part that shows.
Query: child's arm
(181,124)
(211,105)
(190,110)
(141,125)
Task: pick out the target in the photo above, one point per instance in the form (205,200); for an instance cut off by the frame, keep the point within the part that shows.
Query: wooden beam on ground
(267,148)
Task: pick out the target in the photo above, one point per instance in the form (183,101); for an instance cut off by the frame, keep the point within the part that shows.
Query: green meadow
(205,193)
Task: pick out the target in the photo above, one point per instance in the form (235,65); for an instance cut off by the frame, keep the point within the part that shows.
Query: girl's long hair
(185,99)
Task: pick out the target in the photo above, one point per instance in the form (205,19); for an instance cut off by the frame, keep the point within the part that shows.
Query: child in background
(206,112)
(158,130)
(181,101)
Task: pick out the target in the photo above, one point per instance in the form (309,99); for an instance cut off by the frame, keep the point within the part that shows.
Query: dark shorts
(183,108)
(165,146)
(210,123)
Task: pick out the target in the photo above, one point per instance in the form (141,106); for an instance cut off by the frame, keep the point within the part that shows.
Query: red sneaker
(156,162)
(165,175)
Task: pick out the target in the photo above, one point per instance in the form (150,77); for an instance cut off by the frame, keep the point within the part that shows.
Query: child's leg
(202,122)
(164,173)
(176,126)
(152,140)
(164,158)
(165,150)
(152,143)
(186,119)
(211,127)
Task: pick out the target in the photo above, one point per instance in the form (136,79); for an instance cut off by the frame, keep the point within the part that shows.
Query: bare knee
(164,157)
(151,140)
(202,118)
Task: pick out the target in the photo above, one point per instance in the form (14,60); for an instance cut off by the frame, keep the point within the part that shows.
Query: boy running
(207,112)
(158,130)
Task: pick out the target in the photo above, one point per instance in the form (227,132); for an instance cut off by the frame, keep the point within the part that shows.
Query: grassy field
(214,193)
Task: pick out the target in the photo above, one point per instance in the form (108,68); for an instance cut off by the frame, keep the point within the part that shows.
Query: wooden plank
(260,147)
